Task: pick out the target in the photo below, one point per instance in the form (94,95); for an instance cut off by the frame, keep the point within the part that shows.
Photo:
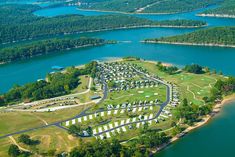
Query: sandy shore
(217,108)
(217,15)
(164,63)
(190,44)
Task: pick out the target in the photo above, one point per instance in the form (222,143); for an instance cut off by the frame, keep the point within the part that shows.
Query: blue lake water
(213,57)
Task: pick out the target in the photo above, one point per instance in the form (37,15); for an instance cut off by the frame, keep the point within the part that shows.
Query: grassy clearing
(83,86)
(16,121)
(132,95)
(4,145)
(51,138)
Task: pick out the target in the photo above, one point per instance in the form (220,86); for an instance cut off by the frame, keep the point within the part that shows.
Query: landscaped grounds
(139,96)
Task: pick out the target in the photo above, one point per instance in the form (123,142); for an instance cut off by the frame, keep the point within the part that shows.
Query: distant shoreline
(122,12)
(68,49)
(190,44)
(108,29)
(217,15)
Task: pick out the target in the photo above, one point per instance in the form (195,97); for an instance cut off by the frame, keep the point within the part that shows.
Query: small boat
(57,67)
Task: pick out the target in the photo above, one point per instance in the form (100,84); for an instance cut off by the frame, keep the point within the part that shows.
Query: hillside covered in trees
(219,36)
(227,9)
(45,47)
(28,26)
(150,6)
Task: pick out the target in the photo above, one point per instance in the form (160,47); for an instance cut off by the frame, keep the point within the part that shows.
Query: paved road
(162,106)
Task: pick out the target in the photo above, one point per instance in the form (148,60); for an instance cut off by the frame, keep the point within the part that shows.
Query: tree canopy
(45,47)
(213,36)
(194,68)
(150,6)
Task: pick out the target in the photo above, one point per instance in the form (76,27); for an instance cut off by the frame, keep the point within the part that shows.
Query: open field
(134,95)
(52,138)
(84,82)
(4,145)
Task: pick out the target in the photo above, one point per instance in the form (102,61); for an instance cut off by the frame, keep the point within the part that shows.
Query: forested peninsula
(45,47)
(218,36)
(28,26)
(226,10)
(56,84)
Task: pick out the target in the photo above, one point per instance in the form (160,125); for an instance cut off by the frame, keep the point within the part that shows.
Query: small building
(94,97)
(57,67)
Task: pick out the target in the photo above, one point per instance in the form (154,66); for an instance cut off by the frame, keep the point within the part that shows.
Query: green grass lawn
(15,121)
(140,94)
(83,86)
(4,145)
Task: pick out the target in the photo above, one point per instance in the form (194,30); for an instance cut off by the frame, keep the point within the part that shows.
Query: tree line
(138,148)
(45,47)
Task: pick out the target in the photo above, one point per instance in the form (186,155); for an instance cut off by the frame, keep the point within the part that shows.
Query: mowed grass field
(84,82)
(4,145)
(191,86)
(51,138)
(135,95)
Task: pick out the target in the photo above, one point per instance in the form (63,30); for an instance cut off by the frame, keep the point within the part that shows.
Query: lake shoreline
(189,44)
(122,12)
(109,29)
(205,120)
(68,49)
(217,15)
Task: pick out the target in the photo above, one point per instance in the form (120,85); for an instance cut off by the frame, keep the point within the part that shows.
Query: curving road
(162,106)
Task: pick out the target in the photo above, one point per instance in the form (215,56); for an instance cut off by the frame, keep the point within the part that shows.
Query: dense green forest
(120,5)
(45,47)
(66,25)
(16,14)
(178,6)
(27,26)
(151,6)
(57,84)
(217,35)
(227,8)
